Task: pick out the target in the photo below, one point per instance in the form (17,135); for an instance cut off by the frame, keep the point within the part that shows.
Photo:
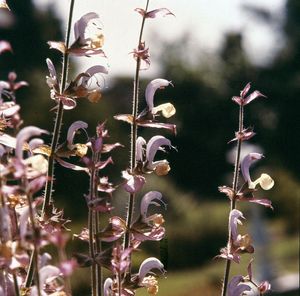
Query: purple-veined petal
(149,199)
(233,221)
(246,163)
(160,12)
(151,89)
(153,145)
(147,265)
(74,127)
(140,143)
(236,286)
(4,45)
(256,94)
(25,134)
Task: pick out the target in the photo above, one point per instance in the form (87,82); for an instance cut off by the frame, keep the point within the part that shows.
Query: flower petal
(233,221)
(140,143)
(235,286)
(23,135)
(151,89)
(74,127)
(153,145)
(256,94)
(147,265)
(149,199)
(81,25)
(134,182)
(160,12)
(167,110)
(246,163)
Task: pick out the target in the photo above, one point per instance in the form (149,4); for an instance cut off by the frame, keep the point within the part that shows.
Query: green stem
(16,286)
(233,200)
(59,117)
(134,127)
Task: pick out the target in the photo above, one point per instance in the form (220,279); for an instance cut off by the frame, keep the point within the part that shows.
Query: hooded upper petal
(148,199)
(147,265)
(151,89)
(154,144)
(247,162)
(74,127)
(234,221)
(24,135)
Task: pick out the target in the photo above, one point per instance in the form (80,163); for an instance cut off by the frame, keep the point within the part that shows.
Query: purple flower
(265,181)
(234,220)
(147,266)
(236,286)
(146,158)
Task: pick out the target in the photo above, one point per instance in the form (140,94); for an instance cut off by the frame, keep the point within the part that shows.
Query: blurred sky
(205,20)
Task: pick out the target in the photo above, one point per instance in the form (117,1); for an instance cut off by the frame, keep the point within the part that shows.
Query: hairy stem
(135,102)
(233,200)
(59,117)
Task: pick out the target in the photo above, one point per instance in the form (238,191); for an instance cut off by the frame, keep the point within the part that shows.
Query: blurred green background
(196,219)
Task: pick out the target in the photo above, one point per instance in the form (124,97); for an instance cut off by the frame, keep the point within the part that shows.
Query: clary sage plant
(29,220)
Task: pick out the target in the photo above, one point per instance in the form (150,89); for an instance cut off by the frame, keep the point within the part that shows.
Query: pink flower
(243,100)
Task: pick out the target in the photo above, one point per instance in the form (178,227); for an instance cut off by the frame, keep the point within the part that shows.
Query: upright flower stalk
(134,127)
(59,116)
(233,199)
(238,243)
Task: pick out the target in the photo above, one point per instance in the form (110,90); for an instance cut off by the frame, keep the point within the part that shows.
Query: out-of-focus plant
(237,243)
